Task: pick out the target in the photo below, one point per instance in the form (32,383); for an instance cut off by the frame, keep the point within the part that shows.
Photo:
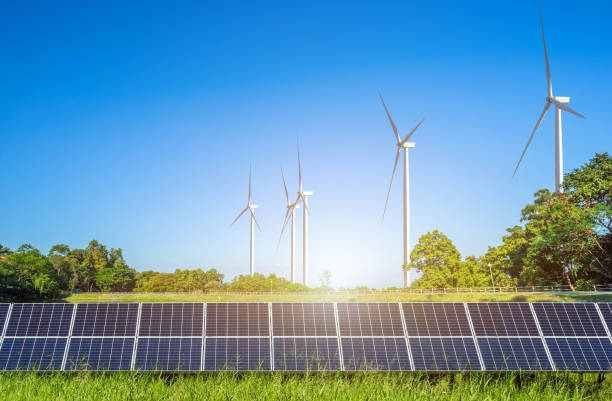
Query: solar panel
(3,312)
(503,319)
(237,354)
(303,319)
(444,354)
(171,319)
(436,319)
(32,353)
(513,353)
(375,353)
(313,353)
(237,319)
(569,319)
(168,354)
(105,320)
(370,319)
(39,320)
(98,353)
(581,354)
(606,312)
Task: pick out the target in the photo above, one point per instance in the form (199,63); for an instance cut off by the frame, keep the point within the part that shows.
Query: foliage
(180,281)
(259,283)
(29,273)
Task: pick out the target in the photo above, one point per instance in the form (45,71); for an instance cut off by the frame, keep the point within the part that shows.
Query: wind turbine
(250,208)
(290,215)
(402,144)
(303,196)
(560,105)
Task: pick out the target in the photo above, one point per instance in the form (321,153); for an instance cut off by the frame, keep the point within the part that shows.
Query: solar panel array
(307,336)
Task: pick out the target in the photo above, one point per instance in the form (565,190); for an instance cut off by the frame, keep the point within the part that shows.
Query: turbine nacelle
(406,145)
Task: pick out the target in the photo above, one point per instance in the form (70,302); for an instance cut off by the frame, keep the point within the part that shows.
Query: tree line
(564,239)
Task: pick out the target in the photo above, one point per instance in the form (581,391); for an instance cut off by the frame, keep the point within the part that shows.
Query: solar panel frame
(223,353)
(303,319)
(4,314)
(595,353)
(375,353)
(370,320)
(306,354)
(187,350)
(502,319)
(58,317)
(426,354)
(555,319)
(450,319)
(236,320)
(605,313)
(101,349)
(105,320)
(48,353)
(526,354)
(184,319)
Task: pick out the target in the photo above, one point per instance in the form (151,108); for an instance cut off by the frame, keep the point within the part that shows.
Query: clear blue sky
(134,124)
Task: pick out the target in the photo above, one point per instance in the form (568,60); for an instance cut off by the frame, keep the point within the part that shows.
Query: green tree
(29,273)
(116,279)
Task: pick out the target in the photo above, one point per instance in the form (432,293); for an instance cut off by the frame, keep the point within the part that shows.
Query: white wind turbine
(250,208)
(303,196)
(402,144)
(560,104)
(290,215)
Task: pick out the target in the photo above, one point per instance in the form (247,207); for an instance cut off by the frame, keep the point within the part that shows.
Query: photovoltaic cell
(581,354)
(503,319)
(237,319)
(375,353)
(99,353)
(606,312)
(168,354)
(303,319)
(370,319)
(444,354)
(32,353)
(171,319)
(306,353)
(513,353)
(40,320)
(3,312)
(569,319)
(105,320)
(237,354)
(436,319)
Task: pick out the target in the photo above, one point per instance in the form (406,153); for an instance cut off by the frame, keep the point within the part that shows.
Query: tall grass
(277,386)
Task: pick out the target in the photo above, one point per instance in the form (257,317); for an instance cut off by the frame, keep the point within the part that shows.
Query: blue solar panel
(171,319)
(168,354)
(375,353)
(606,312)
(237,319)
(514,353)
(99,353)
(3,311)
(569,319)
(370,319)
(237,354)
(436,319)
(581,354)
(444,354)
(312,353)
(32,353)
(503,319)
(105,320)
(303,319)
(40,320)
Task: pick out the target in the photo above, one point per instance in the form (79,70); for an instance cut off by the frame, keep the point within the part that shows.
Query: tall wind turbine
(290,215)
(560,105)
(251,209)
(303,196)
(402,144)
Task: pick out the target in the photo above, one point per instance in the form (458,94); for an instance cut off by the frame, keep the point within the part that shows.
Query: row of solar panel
(437,336)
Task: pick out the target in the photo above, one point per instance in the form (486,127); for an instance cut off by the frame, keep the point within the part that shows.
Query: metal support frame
(133,363)
(340,353)
(271,337)
(65,357)
(406,336)
(203,350)
(475,339)
(6,322)
(537,322)
(603,321)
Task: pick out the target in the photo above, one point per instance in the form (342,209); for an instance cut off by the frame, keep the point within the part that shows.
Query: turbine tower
(250,208)
(303,196)
(289,215)
(560,105)
(402,144)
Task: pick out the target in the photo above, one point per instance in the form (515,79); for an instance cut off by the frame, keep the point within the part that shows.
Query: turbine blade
(256,223)
(285,185)
(250,169)
(241,213)
(397,155)
(531,137)
(548,83)
(289,211)
(299,164)
(390,119)
(566,108)
(412,132)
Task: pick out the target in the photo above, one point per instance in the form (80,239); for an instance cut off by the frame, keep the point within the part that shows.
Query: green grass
(332,386)
(339,297)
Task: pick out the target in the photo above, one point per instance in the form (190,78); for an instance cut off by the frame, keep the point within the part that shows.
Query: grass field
(332,386)
(340,297)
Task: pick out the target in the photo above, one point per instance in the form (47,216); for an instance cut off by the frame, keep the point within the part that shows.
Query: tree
(115,279)
(325,278)
(28,272)
(4,250)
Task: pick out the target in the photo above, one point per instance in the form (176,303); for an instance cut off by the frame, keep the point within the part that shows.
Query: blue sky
(135,124)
